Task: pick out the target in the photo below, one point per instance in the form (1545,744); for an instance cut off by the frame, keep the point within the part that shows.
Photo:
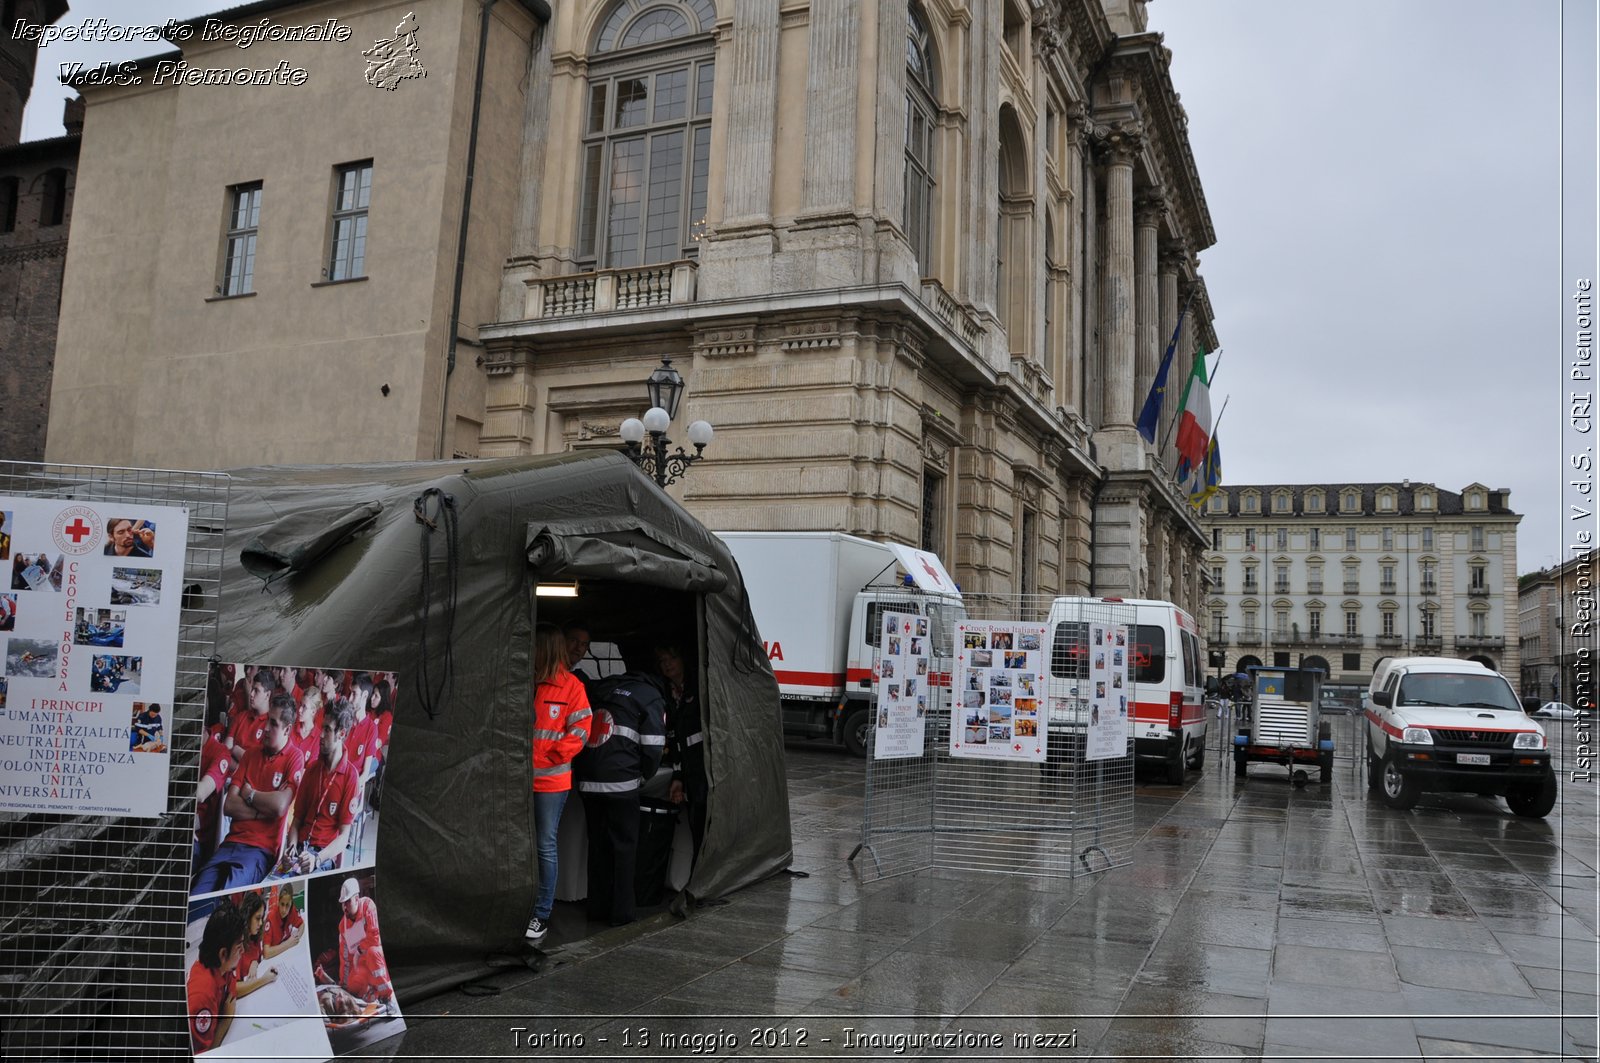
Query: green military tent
(429,569)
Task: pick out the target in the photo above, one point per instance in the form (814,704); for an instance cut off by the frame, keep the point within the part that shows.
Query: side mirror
(1212,686)
(1381,697)
(1531,705)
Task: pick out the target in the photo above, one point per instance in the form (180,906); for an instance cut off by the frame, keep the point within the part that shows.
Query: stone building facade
(1557,632)
(1339,576)
(36,190)
(917,262)
(917,268)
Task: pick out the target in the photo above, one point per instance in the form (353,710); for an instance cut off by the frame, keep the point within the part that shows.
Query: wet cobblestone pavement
(1257,920)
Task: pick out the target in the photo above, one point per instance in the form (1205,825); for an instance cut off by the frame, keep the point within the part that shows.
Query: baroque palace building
(1339,576)
(917,262)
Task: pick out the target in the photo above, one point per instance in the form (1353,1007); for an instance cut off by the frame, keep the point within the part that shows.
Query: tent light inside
(557,590)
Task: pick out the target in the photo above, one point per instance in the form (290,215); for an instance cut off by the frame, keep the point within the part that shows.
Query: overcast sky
(1383,177)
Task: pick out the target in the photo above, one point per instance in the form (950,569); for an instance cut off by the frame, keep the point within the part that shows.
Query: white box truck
(817,597)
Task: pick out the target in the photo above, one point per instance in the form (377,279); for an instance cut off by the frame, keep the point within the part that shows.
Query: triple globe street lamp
(665,388)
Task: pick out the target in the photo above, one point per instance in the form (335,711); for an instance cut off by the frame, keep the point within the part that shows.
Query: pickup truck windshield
(1466,691)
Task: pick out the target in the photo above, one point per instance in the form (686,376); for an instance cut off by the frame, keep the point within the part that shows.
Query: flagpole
(1159,385)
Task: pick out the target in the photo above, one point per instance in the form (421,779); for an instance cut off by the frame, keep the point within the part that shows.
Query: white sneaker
(537,929)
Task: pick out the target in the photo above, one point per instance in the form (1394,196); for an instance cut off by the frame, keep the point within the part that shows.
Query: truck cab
(1440,724)
(818,599)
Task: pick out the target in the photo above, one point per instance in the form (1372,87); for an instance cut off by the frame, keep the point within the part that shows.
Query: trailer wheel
(1535,800)
(854,733)
(1398,790)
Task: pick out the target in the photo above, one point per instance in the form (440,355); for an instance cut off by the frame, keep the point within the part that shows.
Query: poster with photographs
(997,693)
(902,675)
(87,672)
(291,773)
(1110,693)
(290,970)
(287,810)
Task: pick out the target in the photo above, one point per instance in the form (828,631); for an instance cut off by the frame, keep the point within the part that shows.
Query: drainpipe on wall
(540,10)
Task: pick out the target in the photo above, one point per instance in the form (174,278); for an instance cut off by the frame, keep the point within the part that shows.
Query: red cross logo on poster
(77,529)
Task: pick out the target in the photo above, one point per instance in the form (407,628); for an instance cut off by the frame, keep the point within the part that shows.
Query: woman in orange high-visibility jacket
(560,729)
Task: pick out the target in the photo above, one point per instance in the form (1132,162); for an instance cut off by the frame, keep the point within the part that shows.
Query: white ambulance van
(817,598)
(1166,668)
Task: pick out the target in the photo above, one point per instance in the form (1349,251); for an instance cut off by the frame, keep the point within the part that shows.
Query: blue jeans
(546,819)
(233,865)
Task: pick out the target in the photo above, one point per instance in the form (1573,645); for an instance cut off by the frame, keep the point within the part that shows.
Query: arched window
(53,197)
(1013,211)
(8,204)
(647,140)
(921,123)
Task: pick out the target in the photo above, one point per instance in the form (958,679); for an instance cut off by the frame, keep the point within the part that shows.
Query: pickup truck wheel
(1534,800)
(855,732)
(1199,761)
(1397,789)
(1374,769)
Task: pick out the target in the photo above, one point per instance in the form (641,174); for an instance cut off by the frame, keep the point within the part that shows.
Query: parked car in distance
(1555,710)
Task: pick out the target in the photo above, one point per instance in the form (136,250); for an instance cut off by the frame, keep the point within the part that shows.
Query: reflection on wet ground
(1256,920)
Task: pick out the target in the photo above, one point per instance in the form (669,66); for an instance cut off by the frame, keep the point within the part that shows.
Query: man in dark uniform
(627,737)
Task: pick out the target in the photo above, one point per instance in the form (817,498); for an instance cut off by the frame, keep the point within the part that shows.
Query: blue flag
(1150,416)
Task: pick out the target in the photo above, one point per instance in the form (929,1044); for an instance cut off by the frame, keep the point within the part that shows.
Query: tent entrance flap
(617,548)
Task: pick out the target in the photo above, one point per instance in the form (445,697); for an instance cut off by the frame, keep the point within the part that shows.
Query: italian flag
(1194,420)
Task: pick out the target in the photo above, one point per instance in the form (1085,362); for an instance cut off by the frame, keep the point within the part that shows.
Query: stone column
(1117,331)
(752,102)
(1147,215)
(829,180)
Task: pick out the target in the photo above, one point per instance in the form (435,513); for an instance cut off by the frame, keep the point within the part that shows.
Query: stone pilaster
(752,107)
(521,264)
(1071,383)
(1167,279)
(829,181)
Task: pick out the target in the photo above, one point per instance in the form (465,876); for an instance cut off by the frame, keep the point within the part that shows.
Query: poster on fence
(901,679)
(997,692)
(286,828)
(1109,692)
(90,597)
(289,970)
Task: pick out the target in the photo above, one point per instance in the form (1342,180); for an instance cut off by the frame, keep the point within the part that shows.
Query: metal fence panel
(92,908)
(1063,818)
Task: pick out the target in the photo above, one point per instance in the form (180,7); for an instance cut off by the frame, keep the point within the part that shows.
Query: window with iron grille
(932,511)
(352,192)
(1027,583)
(239,256)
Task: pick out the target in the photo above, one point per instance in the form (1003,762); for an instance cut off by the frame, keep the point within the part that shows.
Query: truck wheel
(1397,789)
(1534,800)
(1374,769)
(1175,768)
(1199,761)
(854,733)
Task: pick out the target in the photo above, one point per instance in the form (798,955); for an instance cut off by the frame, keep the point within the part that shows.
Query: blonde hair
(311,699)
(549,653)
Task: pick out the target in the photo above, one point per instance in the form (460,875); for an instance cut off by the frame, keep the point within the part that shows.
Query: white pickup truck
(1440,724)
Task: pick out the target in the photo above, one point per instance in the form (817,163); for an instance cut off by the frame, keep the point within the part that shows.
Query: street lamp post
(665,389)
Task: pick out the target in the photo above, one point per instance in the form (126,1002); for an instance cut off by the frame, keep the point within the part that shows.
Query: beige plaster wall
(293,373)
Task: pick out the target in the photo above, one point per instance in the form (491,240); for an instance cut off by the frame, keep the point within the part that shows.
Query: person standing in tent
(685,740)
(560,728)
(627,739)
